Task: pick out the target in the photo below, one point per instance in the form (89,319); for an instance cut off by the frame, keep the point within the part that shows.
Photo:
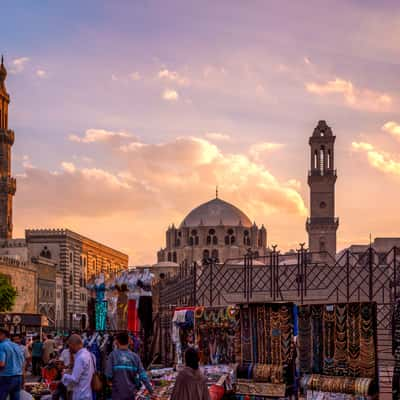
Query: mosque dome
(216,212)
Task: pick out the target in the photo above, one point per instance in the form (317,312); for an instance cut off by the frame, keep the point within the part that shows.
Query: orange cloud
(393,128)
(99,135)
(362,99)
(379,160)
(158,184)
(259,150)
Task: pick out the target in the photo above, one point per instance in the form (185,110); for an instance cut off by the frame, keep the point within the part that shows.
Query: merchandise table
(220,379)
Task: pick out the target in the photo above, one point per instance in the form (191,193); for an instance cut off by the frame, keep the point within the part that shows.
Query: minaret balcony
(7,136)
(8,184)
(318,172)
(318,221)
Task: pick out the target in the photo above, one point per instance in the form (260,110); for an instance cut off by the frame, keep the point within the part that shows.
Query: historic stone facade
(216,229)
(7,183)
(78,259)
(322,224)
(23,277)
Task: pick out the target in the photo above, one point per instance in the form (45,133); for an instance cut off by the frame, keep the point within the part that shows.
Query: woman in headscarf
(190,382)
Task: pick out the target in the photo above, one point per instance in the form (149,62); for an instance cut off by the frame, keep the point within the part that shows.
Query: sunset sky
(127,114)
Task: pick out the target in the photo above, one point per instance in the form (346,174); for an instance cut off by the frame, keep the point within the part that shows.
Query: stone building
(78,259)
(322,223)
(216,229)
(23,277)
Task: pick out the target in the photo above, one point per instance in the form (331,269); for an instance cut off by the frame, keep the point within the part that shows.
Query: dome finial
(2,60)
(216,192)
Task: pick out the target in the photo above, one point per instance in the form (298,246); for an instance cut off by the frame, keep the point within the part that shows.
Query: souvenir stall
(182,332)
(337,351)
(396,351)
(267,352)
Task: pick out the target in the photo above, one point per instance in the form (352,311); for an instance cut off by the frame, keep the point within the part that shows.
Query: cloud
(257,151)
(134,76)
(393,128)
(18,64)
(172,76)
(155,184)
(361,99)
(41,73)
(99,135)
(379,160)
(217,136)
(170,95)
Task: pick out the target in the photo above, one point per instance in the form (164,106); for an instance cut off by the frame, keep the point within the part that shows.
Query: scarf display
(338,340)
(216,331)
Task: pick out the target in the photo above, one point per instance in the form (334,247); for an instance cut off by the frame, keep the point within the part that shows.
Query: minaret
(7,183)
(322,224)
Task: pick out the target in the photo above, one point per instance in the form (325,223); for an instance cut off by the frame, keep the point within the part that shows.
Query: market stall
(21,323)
(337,351)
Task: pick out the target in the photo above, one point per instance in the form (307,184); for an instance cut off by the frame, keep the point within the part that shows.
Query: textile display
(122,308)
(133,319)
(101,315)
(338,340)
(182,331)
(145,313)
(267,334)
(360,387)
(216,331)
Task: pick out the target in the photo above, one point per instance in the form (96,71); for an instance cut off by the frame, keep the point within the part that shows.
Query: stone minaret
(322,224)
(7,183)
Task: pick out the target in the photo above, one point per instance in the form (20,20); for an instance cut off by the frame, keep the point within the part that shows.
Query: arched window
(214,254)
(174,258)
(178,242)
(322,159)
(70,279)
(169,257)
(233,239)
(329,166)
(230,238)
(194,238)
(212,237)
(206,254)
(226,239)
(322,244)
(246,238)
(315,159)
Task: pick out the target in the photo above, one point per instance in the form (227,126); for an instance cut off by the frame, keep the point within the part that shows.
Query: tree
(8,294)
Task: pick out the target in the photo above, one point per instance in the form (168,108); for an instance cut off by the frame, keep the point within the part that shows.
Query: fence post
(395,273)
(194,271)
(211,282)
(371,280)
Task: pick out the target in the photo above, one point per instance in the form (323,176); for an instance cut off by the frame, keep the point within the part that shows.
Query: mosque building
(215,229)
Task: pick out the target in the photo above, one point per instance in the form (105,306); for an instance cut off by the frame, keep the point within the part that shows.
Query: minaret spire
(216,192)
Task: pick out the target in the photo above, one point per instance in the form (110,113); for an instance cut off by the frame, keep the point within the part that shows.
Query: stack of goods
(182,331)
(338,341)
(217,334)
(322,386)
(163,381)
(267,352)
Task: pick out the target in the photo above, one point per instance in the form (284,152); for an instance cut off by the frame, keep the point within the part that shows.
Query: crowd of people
(76,377)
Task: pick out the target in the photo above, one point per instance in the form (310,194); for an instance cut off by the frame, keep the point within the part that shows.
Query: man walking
(83,370)
(11,366)
(125,370)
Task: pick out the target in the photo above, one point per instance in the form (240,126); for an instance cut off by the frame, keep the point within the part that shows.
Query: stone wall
(24,279)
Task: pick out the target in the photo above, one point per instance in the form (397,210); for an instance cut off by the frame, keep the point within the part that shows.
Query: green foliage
(8,294)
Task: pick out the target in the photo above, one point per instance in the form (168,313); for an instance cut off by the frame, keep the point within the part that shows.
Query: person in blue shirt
(11,366)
